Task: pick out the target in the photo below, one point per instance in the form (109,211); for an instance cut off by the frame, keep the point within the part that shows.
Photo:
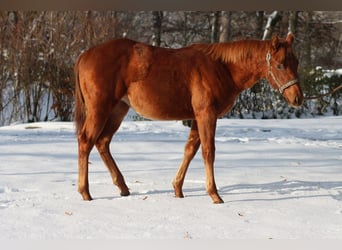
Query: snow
(332,72)
(280,179)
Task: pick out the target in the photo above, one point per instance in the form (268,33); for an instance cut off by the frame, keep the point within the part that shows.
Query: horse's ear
(290,38)
(275,42)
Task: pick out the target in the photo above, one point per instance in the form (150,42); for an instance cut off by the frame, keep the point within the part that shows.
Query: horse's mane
(233,52)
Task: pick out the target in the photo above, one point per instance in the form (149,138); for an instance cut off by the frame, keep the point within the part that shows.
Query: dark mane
(233,52)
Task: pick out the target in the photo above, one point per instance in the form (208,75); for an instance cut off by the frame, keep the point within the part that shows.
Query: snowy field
(280,179)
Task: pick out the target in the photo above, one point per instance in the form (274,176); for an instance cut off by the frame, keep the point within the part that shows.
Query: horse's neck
(244,59)
(245,75)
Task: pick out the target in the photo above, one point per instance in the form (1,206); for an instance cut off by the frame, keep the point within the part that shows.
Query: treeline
(38,50)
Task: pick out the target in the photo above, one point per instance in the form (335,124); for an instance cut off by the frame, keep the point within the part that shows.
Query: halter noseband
(281,88)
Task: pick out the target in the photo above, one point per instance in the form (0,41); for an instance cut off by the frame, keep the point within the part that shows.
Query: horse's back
(107,53)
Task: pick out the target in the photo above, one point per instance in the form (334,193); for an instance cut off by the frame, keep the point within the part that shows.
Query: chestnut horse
(198,83)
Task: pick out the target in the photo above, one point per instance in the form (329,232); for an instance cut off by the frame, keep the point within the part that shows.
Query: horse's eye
(280,66)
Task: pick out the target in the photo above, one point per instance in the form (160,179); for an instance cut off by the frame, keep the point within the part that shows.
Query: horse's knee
(102,147)
(85,144)
(190,151)
(191,147)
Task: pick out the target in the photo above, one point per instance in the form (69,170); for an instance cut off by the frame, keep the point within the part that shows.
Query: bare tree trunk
(293,21)
(260,22)
(157,27)
(114,21)
(225,29)
(307,35)
(185,29)
(215,27)
(2,69)
(271,22)
(89,29)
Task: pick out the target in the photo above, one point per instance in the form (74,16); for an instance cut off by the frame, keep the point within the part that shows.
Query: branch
(322,95)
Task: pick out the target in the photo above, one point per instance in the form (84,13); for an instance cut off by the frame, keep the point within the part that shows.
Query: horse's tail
(80,108)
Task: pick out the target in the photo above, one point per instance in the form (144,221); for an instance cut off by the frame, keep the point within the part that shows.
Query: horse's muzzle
(294,95)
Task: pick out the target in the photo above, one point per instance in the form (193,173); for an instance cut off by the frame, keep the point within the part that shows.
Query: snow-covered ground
(278,178)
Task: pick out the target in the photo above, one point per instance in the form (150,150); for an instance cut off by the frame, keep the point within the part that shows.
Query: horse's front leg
(206,120)
(190,150)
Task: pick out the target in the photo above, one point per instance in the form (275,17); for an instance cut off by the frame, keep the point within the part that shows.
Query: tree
(225,28)
(272,20)
(157,26)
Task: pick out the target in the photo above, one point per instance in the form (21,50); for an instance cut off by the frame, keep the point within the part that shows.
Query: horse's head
(281,69)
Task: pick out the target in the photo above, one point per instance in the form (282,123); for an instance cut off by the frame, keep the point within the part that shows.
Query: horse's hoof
(219,202)
(179,196)
(125,193)
(85,194)
(217,199)
(86,197)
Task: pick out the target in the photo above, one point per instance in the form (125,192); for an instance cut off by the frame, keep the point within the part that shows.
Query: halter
(281,88)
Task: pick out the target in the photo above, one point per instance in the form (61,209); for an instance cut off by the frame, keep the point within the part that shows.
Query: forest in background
(38,50)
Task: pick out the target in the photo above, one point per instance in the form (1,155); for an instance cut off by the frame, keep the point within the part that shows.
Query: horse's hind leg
(92,128)
(102,145)
(190,150)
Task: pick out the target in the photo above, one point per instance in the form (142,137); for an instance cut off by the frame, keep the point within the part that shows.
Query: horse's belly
(159,106)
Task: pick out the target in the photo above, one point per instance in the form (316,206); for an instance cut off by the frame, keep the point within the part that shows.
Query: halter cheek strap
(281,87)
